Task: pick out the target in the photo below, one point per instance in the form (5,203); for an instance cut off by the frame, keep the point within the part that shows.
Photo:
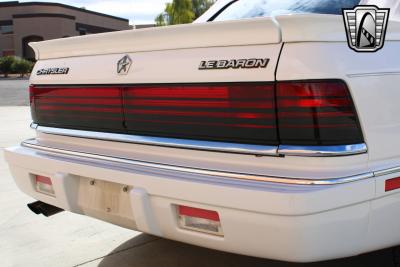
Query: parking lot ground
(68,239)
(14,92)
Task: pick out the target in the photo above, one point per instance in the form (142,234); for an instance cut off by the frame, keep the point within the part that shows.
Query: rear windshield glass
(242,9)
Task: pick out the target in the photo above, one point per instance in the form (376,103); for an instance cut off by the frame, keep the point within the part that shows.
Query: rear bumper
(297,222)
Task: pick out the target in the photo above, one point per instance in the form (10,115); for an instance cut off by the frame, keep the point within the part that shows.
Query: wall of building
(35,21)
(46,27)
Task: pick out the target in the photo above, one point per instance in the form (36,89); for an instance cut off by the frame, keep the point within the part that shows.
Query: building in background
(143,26)
(21,23)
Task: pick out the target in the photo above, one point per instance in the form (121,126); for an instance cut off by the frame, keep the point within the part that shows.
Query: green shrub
(6,65)
(21,66)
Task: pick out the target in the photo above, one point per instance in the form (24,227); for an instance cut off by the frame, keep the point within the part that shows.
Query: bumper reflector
(44,185)
(392,184)
(200,220)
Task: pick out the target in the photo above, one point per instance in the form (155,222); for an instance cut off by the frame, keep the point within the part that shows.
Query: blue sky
(137,11)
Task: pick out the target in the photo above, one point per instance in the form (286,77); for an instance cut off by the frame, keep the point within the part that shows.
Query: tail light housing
(316,113)
(298,113)
(243,113)
(81,107)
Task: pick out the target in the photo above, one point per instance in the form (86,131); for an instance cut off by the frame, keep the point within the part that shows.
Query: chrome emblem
(124,64)
(53,71)
(366,27)
(246,63)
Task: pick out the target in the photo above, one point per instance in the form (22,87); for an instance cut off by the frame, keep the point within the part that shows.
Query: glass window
(6,29)
(242,9)
(392,4)
(82,31)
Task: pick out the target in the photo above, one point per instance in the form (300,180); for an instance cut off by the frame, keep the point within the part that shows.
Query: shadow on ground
(148,251)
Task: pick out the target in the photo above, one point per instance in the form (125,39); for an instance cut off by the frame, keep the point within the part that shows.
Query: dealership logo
(366,27)
(124,64)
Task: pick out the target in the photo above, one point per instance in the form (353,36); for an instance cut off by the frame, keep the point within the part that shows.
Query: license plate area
(106,201)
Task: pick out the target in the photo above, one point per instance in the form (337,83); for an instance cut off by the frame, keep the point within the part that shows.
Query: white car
(263,136)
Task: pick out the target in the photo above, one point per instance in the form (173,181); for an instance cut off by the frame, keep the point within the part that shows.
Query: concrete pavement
(14,92)
(68,239)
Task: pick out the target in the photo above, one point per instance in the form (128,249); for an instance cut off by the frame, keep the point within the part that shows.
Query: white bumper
(300,223)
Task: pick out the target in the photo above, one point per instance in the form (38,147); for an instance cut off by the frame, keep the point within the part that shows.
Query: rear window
(242,9)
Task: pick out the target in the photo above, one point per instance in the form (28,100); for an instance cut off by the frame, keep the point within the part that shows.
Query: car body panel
(370,76)
(161,67)
(235,33)
(294,222)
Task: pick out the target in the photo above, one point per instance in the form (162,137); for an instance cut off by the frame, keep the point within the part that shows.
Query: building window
(82,31)
(6,29)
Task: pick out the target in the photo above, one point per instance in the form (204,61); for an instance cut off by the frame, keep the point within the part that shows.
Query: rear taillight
(32,102)
(90,108)
(31,93)
(230,113)
(316,113)
(301,113)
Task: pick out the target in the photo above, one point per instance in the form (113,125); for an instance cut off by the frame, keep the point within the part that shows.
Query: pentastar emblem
(124,64)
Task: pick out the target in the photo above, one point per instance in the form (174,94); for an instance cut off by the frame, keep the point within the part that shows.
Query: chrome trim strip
(259,150)
(167,142)
(322,151)
(382,73)
(34,125)
(386,171)
(231,175)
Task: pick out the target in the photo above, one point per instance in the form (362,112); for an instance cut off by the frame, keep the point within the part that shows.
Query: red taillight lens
(230,113)
(316,113)
(198,213)
(31,93)
(32,102)
(392,184)
(287,113)
(91,108)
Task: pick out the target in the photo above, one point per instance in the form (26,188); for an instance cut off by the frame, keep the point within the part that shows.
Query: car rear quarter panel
(373,80)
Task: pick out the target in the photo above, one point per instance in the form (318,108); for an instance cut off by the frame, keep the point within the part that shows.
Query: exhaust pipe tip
(40,207)
(34,207)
